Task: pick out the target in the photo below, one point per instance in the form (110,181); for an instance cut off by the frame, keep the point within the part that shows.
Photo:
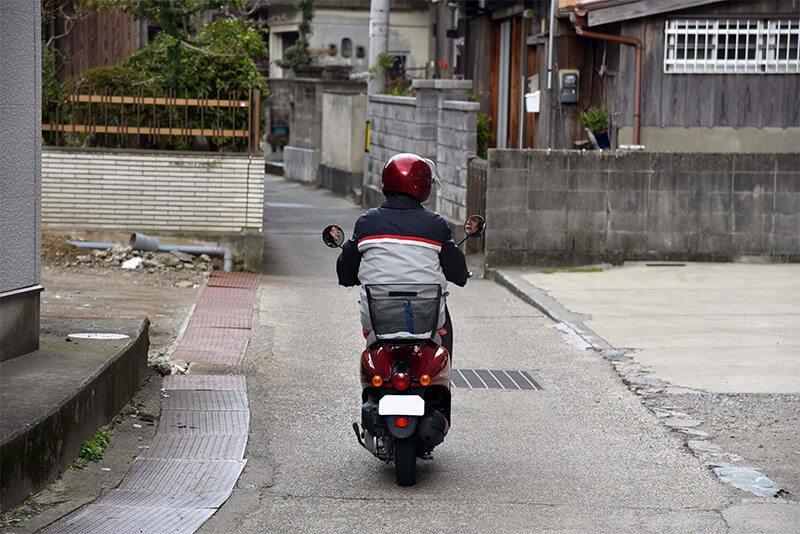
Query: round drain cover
(97,335)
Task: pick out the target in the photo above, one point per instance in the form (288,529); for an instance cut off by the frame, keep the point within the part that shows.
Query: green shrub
(485,136)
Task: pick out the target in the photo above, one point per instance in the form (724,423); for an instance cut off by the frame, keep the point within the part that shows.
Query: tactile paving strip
(182,399)
(236,279)
(197,447)
(177,475)
(219,357)
(220,320)
(206,382)
(230,297)
(195,335)
(193,422)
(149,499)
(102,519)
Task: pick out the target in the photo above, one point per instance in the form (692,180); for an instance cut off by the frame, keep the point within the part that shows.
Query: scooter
(405,370)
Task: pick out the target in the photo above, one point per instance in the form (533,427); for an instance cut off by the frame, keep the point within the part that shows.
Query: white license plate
(401,405)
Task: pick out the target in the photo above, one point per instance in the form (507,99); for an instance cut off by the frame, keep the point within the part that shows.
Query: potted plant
(596,120)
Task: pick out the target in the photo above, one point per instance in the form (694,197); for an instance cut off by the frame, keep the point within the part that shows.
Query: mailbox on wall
(569,82)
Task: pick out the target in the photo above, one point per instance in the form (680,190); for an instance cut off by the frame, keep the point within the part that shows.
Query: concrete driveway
(723,327)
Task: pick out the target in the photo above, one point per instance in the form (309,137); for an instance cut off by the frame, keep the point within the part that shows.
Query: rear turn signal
(377,381)
(425,380)
(401,422)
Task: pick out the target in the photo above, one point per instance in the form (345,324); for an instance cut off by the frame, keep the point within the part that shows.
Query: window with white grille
(722,46)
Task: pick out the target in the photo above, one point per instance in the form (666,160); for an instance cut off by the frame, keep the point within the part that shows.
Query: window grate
(732,46)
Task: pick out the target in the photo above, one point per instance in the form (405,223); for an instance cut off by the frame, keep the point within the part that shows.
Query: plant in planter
(597,120)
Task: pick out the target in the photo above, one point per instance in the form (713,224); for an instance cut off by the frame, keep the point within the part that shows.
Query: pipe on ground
(150,244)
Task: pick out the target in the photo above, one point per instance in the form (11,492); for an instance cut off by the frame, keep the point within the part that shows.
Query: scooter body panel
(428,359)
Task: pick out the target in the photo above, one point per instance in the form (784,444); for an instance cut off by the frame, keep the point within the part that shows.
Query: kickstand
(358,435)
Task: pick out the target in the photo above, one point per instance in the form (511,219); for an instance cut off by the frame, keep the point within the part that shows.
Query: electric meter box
(569,82)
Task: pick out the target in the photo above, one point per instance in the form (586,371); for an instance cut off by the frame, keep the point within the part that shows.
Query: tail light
(401,381)
(401,422)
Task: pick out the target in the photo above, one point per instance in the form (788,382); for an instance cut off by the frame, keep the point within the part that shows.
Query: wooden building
(713,75)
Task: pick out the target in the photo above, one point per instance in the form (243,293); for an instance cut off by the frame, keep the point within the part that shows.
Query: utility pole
(378,44)
(378,41)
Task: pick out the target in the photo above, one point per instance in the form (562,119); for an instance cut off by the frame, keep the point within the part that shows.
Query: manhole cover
(97,335)
(491,379)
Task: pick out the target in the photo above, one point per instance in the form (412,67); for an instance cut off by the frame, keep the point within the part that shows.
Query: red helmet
(408,173)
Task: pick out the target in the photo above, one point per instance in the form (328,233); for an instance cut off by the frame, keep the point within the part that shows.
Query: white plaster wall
(343,131)
(20,144)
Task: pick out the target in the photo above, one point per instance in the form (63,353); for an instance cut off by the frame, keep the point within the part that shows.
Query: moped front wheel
(405,461)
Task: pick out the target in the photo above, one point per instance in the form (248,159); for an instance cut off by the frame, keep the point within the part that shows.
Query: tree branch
(206,52)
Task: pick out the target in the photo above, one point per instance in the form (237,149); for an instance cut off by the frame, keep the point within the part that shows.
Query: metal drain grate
(485,379)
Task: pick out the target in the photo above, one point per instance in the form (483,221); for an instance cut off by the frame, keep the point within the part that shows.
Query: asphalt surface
(584,454)
(596,450)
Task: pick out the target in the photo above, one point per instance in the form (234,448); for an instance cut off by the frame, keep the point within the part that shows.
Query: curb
(550,307)
(34,456)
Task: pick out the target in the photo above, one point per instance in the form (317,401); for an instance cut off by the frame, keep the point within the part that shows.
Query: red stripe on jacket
(401,237)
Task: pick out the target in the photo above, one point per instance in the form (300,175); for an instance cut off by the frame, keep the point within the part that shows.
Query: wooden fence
(124,120)
(477,170)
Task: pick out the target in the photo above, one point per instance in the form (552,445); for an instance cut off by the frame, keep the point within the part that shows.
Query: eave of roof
(599,12)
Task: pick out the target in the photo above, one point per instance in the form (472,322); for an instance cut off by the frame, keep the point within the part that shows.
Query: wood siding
(711,100)
(103,39)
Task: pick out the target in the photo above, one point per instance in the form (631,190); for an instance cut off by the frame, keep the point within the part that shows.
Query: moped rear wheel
(405,461)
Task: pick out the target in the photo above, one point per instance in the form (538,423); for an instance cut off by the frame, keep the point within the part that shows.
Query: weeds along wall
(570,207)
(168,192)
(437,123)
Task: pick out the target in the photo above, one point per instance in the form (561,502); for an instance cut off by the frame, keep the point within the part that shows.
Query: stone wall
(438,123)
(20,177)
(570,207)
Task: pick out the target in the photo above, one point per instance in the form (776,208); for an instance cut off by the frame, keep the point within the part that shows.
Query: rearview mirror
(475,226)
(333,236)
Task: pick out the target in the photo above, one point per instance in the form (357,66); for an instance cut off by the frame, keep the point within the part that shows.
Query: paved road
(582,455)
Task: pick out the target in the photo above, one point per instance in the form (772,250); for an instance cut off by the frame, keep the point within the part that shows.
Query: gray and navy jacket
(400,242)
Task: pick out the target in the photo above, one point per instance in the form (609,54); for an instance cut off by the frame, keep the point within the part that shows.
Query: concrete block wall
(167,192)
(434,124)
(393,129)
(570,207)
(301,164)
(457,138)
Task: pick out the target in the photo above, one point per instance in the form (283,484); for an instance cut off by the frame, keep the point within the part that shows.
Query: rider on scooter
(402,242)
